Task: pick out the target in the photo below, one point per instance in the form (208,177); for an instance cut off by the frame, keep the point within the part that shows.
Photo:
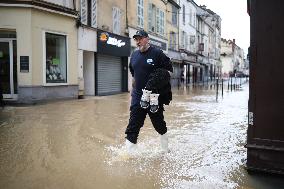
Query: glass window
(162,32)
(116,14)
(172,41)
(183,14)
(174,15)
(183,39)
(151,18)
(56,58)
(94,13)
(140,15)
(190,17)
(194,19)
(84,12)
(160,22)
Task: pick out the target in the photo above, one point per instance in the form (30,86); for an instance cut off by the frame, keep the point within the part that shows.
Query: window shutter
(162,23)
(158,20)
(140,14)
(84,15)
(94,13)
(116,20)
(150,17)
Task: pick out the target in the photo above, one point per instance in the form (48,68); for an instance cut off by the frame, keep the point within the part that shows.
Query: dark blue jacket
(142,64)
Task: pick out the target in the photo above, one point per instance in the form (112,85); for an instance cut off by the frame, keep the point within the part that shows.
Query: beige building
(38,56)
(232,57)
(103,47)
(149,15)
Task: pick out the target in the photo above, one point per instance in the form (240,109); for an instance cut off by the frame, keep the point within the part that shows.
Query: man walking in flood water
(144,62)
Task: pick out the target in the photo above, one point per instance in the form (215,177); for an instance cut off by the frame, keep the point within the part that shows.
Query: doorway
(8,68)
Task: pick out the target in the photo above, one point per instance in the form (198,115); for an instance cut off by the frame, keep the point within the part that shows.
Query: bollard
(217,87)
(229,83)
(234,83)
(222,87)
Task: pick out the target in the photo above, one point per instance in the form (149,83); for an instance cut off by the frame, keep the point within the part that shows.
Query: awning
(194,64)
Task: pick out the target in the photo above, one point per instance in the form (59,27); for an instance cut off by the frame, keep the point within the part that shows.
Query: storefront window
(56,61)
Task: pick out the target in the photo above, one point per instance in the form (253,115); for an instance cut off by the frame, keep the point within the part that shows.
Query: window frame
(183,14)
(141,8)
(84,8)
(91,17)
(152,17)
(117,19)
(174,16)
(160,21)
(44,58)
(173,41)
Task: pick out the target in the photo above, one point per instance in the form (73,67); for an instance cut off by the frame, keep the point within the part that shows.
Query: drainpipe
(126,17)
(74,5)
(178,24)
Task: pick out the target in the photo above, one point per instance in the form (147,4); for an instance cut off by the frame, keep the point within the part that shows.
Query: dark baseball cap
(140,33)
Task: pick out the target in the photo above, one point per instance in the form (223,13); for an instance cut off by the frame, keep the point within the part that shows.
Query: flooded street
(80,144)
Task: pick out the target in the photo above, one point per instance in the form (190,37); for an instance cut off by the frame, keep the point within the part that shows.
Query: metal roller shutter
(109,75)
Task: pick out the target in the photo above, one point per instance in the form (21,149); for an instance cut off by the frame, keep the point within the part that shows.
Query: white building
(232,57)
(187,39)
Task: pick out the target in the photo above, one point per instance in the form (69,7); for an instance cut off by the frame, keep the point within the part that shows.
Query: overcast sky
(235,20)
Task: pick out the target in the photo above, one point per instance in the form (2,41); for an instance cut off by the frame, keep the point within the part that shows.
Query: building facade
(70,49)
(104,47)
(172,24)
(187,44)
(232,58)
(38,42)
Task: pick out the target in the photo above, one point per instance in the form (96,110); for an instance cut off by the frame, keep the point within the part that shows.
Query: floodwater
(79,144)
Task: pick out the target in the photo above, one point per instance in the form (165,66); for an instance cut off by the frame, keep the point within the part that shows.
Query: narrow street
(79,144)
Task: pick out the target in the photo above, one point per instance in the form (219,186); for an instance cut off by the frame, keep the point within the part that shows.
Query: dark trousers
(137,118)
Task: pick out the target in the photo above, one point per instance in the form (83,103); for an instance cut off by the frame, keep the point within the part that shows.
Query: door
(6,69)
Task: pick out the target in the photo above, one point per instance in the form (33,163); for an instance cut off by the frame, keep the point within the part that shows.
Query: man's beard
(144,47)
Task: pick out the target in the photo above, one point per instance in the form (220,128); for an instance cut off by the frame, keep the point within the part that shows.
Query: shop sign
(112,44)
(190,58)
(158,44)
(24,64)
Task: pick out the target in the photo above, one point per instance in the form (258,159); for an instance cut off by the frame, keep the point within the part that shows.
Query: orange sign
(104,37)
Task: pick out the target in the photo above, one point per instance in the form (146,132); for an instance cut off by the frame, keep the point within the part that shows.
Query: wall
(20,20)
(105,14)
(89,70)
(50,22)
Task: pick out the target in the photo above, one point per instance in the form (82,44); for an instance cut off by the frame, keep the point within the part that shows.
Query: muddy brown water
(80,144)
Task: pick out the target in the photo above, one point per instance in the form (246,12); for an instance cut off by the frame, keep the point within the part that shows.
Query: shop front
(205,67)
(111,64)
(178,67)
(8,64)
(37,55)
(192,67)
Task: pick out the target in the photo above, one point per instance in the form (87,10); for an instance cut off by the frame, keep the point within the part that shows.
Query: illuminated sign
(104,37)
(113,44)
